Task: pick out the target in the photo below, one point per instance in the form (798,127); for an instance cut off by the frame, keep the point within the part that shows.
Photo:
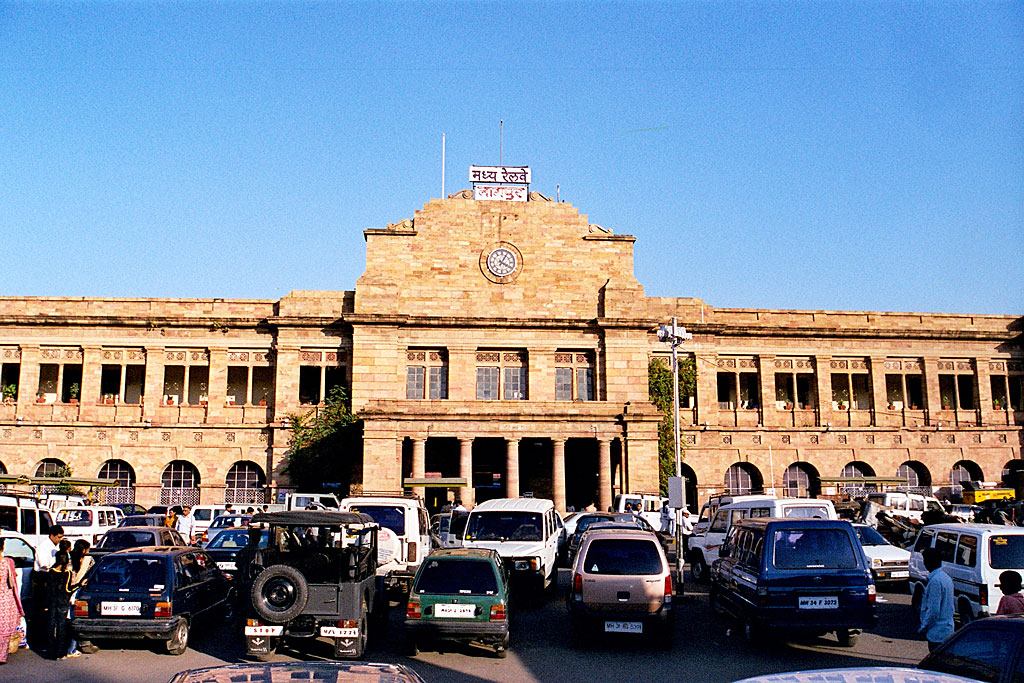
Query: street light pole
(675,336)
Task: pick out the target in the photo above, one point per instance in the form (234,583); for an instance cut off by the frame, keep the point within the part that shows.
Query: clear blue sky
(824,155)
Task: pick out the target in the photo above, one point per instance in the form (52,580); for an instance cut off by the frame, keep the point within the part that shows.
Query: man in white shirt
(46,551)
(186,524)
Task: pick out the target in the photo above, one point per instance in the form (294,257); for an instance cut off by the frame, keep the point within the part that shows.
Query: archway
(49,467)
(857,470)
(914,474)
(179,484)
(124,475)
(743,478)
(246,484)
(801,480)
(690,487)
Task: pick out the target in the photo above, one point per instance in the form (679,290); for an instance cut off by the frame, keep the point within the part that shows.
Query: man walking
(686,530)
(937,605)
(186,524)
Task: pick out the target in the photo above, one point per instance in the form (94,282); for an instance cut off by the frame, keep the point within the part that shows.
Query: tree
(323,443)
(62,472)
(659,386)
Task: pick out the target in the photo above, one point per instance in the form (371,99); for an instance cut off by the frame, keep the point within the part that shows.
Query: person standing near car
(186,525)
(937,604)
(58,602)
(686,531)
(1012,601)
(11,610)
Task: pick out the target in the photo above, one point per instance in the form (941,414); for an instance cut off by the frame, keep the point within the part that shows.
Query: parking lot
(704,650)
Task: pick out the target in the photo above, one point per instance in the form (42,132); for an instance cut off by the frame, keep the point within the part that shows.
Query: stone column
(707,388)
(766,372)
(604,474)
(218,385)
(932,395)
(419,463)
(92,371)
(823,379)
(28,379)
(983,391)
(558,474)
(879,401)
(154,382)
(467,493)
(512,468)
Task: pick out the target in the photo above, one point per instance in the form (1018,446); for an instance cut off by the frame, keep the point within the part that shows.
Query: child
(1012,601)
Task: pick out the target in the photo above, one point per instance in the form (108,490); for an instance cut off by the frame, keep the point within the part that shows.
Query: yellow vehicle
(975,497)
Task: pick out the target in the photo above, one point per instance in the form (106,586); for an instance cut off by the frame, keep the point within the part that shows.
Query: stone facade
(506,344)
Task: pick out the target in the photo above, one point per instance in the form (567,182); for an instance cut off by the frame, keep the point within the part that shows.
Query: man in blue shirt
(937,605)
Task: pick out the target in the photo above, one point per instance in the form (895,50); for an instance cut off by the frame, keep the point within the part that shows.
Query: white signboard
(500,174)
(505,194)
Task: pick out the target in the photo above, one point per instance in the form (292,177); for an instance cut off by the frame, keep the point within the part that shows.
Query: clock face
(501,262)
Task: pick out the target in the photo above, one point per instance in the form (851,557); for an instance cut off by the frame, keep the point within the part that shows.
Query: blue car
(794,576)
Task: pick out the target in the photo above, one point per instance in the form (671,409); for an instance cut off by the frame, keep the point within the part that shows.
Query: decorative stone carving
(786,438)
(727,438)
(488,357)
(133,436)
(420,356)
(756,438)
(7,433)
(842,438)
(310,356)
(976,438)
(12,354)
(896,438)
(596,229)
(238,356)
(165,436)
(869,438)
(264,437)
(69,434)
(814,438)
(230,437)
(690,439)
(197,436)
(405,224)
(538,197)
(462,194)
(101,435)
(924,438)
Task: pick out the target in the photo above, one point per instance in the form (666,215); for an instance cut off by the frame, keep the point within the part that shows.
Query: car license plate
(335,632)
(900,575)
(226,566)
(120,609)
(623,627)
(454,611)
(264,630)
(823,602)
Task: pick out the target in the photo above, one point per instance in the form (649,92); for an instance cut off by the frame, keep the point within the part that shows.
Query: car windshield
(1006,552)
(504,526)
(389,516)
(138,520)
(129,572)
(237,538)
(869,536)
(586,521)
(623,557)
(457,576)
(806,512)
(118,540)
(230,520)
(814,549)
(74,517)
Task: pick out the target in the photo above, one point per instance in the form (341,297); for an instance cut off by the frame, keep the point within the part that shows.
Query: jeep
(316,578)
(404,534)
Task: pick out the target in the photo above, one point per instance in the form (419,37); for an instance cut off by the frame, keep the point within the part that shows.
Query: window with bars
(574,376)
(851,385)
(119,471)
(49,467)
(742,478)
(59,381)
(797,481)
(245,475)
(186,377)
(502,374)
(180,475)
(426,375)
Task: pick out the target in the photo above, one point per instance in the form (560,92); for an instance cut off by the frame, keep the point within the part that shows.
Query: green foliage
(65,471)
(74,390)
(323,444)
(659,387)
(9,391)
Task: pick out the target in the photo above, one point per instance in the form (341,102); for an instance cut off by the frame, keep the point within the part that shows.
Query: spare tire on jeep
(279,593)
(389,547)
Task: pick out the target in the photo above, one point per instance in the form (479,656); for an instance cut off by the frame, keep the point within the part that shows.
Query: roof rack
(389,494)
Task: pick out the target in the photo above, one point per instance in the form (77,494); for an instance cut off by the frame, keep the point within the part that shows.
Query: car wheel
(698,568)
(87,647)
(279,593)
(178,642)
(228,611)
(412,646)
(501,649)
(752,633)
(848,637)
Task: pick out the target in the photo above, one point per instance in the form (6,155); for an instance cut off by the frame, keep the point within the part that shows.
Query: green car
(459,594)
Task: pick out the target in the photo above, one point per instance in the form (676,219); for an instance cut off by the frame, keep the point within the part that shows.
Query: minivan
(527,533)
(973,555)
(704,546)
(88,522)
(650,505)
(908,505)
(26,515)
(794,575)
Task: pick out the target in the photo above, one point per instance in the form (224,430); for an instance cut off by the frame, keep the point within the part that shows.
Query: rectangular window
(965,387)
(784,388)
(585,383)
(861,391)
(309,384)
(10,374)
(110,383)
(1016,384)
(262,384)
(71,382)
(198,384)
(48,373)
(915,391)
(726,390)
(806,391)
(134,383)
(238,385)
(439,383)
(894,391)
(947,391)
(174,384)
(487,384)
(414,381)
(563,384)
(750,391)
(515,384)
(841,390)
(575,376)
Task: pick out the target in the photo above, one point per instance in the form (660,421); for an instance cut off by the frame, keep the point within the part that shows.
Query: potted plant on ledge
(73,392)
(10,394)
(108,399)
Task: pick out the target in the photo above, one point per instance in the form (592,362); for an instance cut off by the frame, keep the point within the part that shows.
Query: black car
(984,650)
(225,546)
(156,593)
(122,538)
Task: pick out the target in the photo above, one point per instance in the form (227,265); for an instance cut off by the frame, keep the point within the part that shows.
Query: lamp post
(675,336)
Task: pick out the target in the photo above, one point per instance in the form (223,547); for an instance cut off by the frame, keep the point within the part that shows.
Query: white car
(888,562)
(19,548)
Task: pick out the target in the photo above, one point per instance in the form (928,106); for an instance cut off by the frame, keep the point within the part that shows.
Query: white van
(89,522)
(708,510)
(650,506)
(26,515)
(403,539)
(704,547)
(907,505)
(204,516)
(973,555)
(527,533)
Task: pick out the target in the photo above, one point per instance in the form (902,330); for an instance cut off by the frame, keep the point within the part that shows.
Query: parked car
(317,577)
(888,563)
(604,520)
(365,672)
(650,505)
(204,515)
(906,505)
(122,538)
(526,532)
(26,515)
(459,594)
(20,549)
(143,520)
(973,555)
(156,593)
(129,508)
(621,583)
(793,576)
(704,546)
(860,674)
(158,509)
(89,522)
(225,546)
(223,522)
(406,540)
(447,528)
(985,650)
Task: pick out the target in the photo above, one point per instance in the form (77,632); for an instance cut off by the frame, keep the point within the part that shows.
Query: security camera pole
(675,336)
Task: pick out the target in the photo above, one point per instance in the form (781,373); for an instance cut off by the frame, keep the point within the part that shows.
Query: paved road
(704,651)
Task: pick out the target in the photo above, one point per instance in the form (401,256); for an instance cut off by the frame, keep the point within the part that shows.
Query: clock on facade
(501,262)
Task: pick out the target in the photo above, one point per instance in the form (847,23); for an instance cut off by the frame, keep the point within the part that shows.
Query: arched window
(801,480)
(180,475)
(742,478)
(857,469)
(3,470)
(49,467)
(965,470)
(245,475)
(118,470)
(914,474)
